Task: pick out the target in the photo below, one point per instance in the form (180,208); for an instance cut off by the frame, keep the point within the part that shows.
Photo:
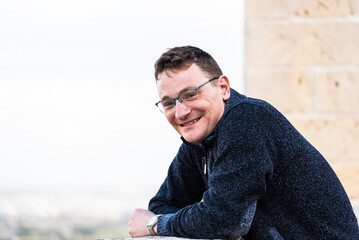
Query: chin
(192,139)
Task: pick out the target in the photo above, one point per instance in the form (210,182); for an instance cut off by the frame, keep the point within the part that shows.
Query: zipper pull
(205,165)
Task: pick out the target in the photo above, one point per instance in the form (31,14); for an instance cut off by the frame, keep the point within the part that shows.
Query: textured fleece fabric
(255,176)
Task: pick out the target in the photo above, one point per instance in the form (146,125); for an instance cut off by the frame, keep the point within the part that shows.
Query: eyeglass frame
(178,98)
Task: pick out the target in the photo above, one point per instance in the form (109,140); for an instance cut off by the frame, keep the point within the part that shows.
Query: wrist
(152,224)
(155,229)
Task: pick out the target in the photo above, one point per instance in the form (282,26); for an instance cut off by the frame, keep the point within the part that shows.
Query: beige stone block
(269,44)
(290,91)
(257,9)
(355,45)
(301,44)
(324,8)
(349,177)
(336,138)
(325,43)
(338,92)
(267,9)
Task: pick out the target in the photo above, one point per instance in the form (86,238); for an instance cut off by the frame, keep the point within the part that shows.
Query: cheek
(215,110)
(170,117)
(204,105)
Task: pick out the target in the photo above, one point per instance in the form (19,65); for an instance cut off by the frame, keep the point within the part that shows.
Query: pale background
(77,90)
(79,131)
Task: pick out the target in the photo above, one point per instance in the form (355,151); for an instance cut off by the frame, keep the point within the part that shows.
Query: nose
(181,110)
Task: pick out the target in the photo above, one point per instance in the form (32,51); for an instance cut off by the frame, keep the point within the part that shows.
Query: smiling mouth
(190,122)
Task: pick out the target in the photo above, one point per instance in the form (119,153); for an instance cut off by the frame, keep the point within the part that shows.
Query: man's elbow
(234,231)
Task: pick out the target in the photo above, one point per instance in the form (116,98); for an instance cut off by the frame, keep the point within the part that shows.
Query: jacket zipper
(202,151)
(205,165)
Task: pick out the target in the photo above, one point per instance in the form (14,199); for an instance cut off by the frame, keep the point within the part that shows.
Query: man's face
(197,121)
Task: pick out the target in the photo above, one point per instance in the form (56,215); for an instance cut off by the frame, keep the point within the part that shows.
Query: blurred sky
(77,90)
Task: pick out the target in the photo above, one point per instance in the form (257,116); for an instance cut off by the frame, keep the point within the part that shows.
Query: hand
(137,224)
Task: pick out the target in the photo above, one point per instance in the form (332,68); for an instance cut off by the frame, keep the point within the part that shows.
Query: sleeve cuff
(161,225)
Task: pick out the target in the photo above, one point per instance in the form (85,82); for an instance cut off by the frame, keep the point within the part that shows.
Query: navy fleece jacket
(255,176)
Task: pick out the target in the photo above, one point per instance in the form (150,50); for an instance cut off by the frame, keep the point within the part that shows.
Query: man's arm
(182,187)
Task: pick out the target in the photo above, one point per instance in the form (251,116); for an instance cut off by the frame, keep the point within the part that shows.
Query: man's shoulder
(250,117)
(240,101)
(247,108)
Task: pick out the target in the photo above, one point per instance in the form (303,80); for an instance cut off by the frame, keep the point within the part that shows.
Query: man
(242,171)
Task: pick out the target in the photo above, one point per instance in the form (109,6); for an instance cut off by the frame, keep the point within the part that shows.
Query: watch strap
(153,224)
(150,229)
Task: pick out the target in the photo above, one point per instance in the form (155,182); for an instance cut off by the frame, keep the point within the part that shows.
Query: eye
(190,95)
(167,103)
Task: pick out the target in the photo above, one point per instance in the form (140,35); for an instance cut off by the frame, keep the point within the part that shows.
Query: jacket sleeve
(237,178)
(183,185)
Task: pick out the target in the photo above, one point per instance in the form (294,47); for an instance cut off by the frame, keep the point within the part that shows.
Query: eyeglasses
(168,105)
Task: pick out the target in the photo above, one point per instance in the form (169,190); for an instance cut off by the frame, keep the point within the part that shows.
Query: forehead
(172,82)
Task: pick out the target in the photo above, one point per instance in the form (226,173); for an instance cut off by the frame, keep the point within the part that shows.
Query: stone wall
(302,56)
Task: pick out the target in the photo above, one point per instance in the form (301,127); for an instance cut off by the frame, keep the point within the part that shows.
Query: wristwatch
(152,222)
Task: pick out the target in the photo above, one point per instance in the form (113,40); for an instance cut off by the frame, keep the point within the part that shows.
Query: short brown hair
(183,57)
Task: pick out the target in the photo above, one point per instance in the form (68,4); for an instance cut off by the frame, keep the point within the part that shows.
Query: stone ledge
(147,238)
(354,202)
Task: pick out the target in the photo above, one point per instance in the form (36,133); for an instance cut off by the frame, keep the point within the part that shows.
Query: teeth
(196,120)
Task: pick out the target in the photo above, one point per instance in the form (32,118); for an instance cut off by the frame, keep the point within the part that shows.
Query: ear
(223,84)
